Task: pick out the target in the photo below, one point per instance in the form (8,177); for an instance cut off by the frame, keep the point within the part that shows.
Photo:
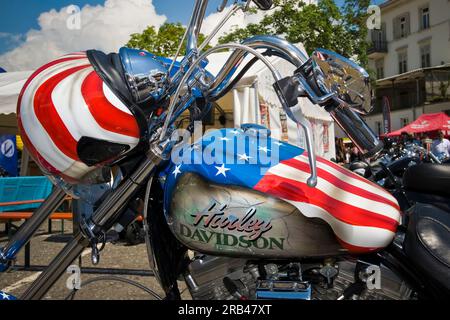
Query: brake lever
(296,114)
(288,91)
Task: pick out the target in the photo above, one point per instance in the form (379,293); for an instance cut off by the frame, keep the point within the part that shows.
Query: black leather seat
(428,178)
(427,244)
(110,69)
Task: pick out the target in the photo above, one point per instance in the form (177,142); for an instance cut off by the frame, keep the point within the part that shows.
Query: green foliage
(316,26)
(163,42)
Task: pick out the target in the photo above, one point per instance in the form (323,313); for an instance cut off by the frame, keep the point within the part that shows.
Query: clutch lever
(296,114)
(288,92)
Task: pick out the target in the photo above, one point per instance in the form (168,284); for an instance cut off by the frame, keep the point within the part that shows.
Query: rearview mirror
(335,73)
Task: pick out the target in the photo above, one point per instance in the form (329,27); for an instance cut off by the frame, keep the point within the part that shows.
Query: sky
(28,26)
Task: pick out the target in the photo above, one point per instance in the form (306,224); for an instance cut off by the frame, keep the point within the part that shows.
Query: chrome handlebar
(280,46)
(325,78)
(284,49)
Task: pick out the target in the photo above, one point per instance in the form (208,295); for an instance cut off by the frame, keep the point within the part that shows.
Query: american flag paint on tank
(363,216)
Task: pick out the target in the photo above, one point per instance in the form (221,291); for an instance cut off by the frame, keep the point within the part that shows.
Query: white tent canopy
(254,101)
(10,85)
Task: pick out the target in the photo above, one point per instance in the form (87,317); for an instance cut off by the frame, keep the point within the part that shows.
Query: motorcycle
(235,213)
(392,167)
(397,160)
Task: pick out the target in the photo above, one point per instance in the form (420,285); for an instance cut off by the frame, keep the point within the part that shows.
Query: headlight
(147,77)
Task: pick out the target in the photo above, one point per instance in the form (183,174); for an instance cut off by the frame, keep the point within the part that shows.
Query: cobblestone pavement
(117,256)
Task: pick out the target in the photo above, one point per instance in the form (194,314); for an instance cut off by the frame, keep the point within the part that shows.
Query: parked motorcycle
(397,158)
(392,167)
(236,213)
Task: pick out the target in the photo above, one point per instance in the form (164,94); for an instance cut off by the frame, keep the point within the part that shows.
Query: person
(417,139)
(427,142)
(340,150)
(405,139)
(355,154)
(441,146)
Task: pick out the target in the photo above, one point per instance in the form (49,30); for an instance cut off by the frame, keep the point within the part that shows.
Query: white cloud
(105,27)
(239,20)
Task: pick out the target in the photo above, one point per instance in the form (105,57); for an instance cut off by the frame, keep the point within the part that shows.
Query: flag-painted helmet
(76,115)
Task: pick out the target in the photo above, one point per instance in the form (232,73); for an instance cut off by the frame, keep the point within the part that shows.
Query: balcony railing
(378,47)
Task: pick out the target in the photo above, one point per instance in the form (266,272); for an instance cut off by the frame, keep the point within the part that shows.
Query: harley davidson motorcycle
(236,213)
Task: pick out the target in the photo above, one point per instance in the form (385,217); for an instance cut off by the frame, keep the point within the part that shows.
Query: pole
(417,97)
(24,162)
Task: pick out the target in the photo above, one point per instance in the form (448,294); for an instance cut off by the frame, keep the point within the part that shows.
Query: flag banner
(386,115)
(8,154)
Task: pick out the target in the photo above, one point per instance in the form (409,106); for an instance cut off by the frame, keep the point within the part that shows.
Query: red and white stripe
(363,216)
(63,101)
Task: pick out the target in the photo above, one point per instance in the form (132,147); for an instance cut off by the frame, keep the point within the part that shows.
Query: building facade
(410,58)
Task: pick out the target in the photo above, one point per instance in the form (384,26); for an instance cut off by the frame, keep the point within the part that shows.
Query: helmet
(72,121)
(362,168)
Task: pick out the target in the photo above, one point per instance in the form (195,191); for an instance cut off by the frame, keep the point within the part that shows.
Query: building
(410,56)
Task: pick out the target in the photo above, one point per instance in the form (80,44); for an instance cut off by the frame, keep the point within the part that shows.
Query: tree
(325,25)
(163,42)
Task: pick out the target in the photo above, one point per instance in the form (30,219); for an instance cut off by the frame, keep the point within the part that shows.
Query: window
(425,56)
(404,122)
(401,26)
(402,62)
(424,18)
(379,66)
(380,36)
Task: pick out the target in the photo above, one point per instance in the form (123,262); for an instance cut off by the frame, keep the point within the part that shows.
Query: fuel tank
(237,221)
(251,200)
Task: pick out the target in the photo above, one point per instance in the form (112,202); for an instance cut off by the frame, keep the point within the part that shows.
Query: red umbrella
(426,123)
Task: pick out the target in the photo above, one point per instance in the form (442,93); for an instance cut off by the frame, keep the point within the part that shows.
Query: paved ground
(44,247)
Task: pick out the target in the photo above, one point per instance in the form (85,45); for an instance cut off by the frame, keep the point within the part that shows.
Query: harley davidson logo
(215,217)
(229,240)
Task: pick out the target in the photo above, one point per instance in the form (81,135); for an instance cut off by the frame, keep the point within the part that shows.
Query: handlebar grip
(356,128)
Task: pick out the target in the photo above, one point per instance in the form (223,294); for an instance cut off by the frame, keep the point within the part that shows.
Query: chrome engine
(206,275)
(220,278)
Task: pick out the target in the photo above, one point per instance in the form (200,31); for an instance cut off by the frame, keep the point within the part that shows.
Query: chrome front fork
(28,229)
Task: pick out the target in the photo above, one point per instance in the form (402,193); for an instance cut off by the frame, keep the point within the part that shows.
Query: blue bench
(19,197)
(23,189)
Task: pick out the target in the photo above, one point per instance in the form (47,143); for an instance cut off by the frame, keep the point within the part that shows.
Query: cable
(72,294)
(236,79)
